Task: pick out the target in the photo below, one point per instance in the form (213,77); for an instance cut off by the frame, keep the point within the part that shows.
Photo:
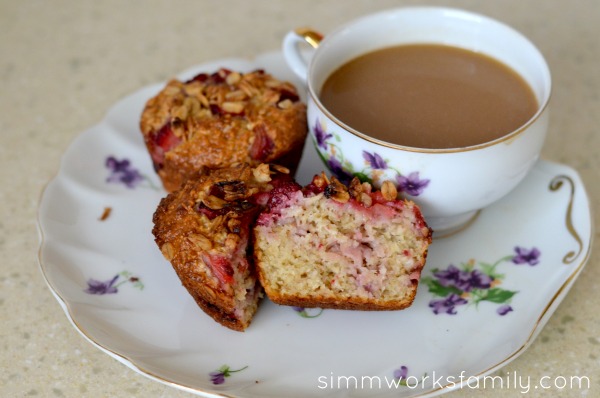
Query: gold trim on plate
(555,185)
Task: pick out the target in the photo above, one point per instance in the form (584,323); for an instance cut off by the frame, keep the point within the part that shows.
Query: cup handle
(291,49)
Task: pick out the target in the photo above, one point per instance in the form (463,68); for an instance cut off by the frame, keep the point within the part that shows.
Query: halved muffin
(204,230)
(333,246)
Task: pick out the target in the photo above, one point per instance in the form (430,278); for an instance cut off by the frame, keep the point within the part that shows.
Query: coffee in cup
(451,178)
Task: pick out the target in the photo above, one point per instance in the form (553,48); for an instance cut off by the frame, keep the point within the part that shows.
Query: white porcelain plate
(486,291)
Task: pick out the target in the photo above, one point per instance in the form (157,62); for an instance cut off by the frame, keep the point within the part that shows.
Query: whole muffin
(204,228)
(220,119)
(333,246)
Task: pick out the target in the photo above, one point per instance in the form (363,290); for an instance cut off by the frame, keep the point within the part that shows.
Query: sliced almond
(365,199)
(233,78)
(214,203)
(232,107)
(389,191)
(168,251)
(181,112)
(285,104)
(280,169)
(201,241)
(355,188)
(237,95)
(262,173)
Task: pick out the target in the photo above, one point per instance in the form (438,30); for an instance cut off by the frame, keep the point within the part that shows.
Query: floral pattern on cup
(473,283)
(122,172)
(306,313)
(376,168)
(218,376)
(112,285)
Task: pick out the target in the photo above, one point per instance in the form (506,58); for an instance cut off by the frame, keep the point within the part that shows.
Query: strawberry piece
(162,142)
(262,146)
(287,94)
(280,194)
(221,268)
(201,77)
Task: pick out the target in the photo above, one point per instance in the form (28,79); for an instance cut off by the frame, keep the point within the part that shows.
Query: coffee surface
(429,96)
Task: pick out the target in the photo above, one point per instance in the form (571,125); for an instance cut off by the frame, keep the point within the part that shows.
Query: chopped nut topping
(203,100)
(202,241)
(285,104)
(337,191)
(181,112)
(270,96)
(320,181)
(247,88)
(272,83)
(168,251)
(234,190)
(262,173)
(280,169)
(388,190)
(237,95)
(172,89)
(233,225)
(366,187)
(214,203)
(232,107)
(233,78)
(231,242)
(355,188)
(193,105)
(365,199)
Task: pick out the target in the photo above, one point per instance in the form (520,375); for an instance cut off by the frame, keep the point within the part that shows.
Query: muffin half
(204,230)
(332,246)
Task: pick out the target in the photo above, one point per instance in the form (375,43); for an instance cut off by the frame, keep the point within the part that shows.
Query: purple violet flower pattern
(447,305)
(525,256)
(463,280)
(122,172)
(473,283)
(111,286)
(321,136)
(504,309)
(218,376)
(401,373)
(99,287)
(375,161)
(376,168)
(304,313)
(338,171)
(402,377)
(411,184)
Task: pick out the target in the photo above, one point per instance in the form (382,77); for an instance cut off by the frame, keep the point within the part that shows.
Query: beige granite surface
(64,63)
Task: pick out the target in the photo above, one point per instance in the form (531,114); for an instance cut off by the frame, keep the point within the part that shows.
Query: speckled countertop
(64,63)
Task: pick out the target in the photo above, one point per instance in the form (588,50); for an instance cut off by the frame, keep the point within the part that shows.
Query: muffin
(204,229)
(333,246)
(221,119)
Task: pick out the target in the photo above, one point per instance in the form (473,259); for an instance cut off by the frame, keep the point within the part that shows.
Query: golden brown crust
(217,121)
(215,311)
(203,229)
(341,304)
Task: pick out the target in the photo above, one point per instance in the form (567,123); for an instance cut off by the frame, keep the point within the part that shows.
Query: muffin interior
(315,246)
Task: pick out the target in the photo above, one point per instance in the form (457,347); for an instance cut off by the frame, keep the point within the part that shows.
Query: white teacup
(450,185)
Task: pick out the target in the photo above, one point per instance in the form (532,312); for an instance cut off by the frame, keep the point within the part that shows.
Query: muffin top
(220,119)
